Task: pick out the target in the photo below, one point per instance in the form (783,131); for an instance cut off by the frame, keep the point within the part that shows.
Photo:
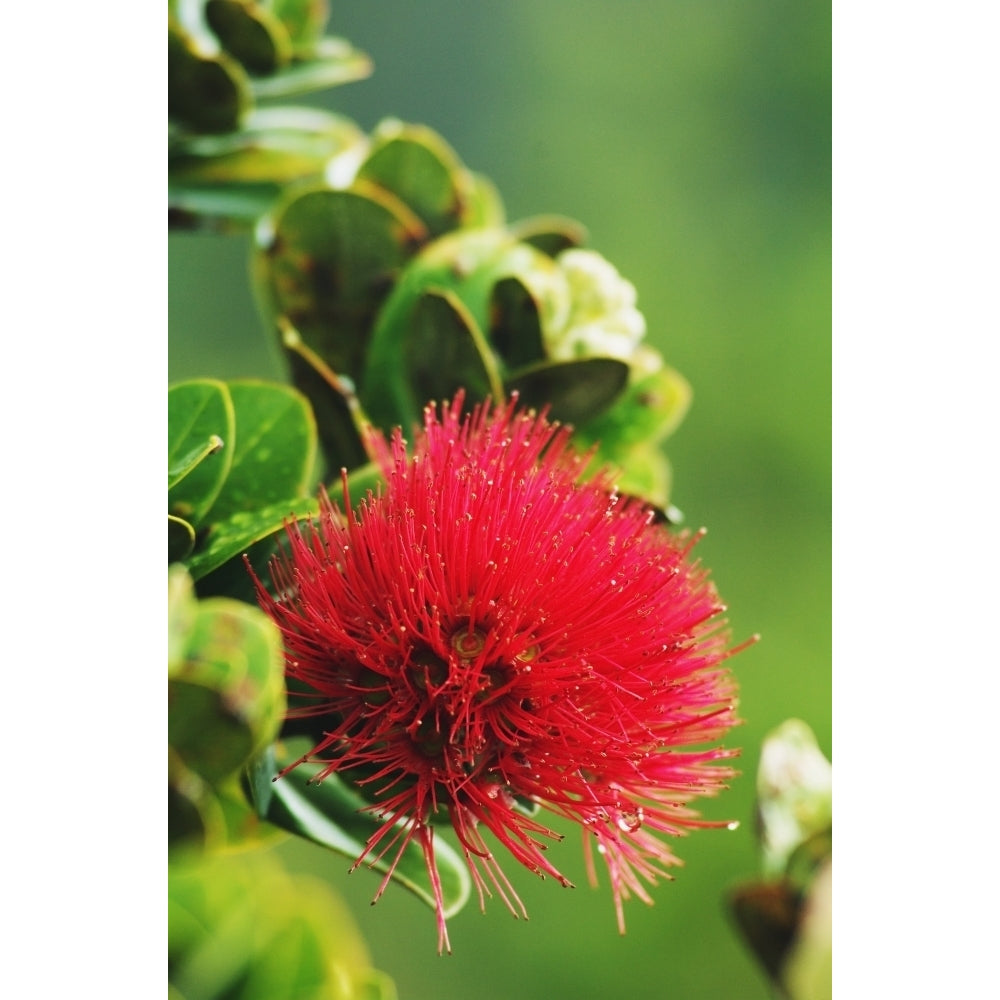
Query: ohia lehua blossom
(495,635)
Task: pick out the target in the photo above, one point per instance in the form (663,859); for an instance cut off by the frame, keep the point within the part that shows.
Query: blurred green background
(693,141)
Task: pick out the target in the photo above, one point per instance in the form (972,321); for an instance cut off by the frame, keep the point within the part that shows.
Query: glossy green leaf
(204,93)
(515,323)
(416,165)
(240,926)
(338,432)
(549,233)
(226,691)
(250,33)
(575,391)
(233,179)
(443,351)
(649,410)
(275,451)
(467,263)
(331,62)
(230,538)
(342,421)
(627,435)
(305,138)
(326,260)
(330,813)
(231,650)
(198,412)
(180,467)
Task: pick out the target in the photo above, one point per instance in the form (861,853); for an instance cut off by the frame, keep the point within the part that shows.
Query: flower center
(468,642)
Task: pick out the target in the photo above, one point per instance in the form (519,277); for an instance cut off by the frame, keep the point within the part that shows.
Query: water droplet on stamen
(630,820)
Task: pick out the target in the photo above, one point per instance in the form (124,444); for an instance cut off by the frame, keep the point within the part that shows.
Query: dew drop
(630,820)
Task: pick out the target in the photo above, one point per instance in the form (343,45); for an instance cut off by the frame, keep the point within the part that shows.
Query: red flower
(493,632)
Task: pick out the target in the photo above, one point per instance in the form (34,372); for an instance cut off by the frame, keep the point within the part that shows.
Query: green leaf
(650,409)
(198,412)
(227,539)
(416,165)
(342,422)
(333,61)
(330,813)
(466,263)
(275,452)
(515,323)
(250,33)
(186,463)
(576,391)
(226,687)
(627,434)
(443,351)
(236,178)
(241,926)
(204,93)
(278,144)
(327,259)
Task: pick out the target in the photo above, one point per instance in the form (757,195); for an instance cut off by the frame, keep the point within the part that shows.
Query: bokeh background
(692,138)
